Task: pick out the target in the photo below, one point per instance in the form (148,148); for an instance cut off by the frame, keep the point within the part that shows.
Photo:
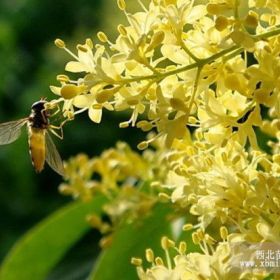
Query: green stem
(268,34)
(236,12)
(195,86)
(232,51)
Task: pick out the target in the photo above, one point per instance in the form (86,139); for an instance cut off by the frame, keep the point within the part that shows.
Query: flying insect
(41,146)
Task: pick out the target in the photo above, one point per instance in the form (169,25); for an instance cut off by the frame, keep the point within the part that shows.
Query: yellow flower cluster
(227,184)
(114,174)
(191,265)
(204,76)
(114,168)
(180,64)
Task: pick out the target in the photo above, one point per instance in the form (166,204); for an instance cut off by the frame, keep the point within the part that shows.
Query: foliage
(28,63)
(46,244)
(202,78)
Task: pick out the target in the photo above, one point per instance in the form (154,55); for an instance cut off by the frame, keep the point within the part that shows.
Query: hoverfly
(41,146)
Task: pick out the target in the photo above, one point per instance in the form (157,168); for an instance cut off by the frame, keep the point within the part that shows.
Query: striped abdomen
(37,147)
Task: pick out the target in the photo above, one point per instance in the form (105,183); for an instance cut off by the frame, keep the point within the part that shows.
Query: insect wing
(52,156)
(10,131)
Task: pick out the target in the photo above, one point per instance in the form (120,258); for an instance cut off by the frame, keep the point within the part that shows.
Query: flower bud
(159,261)
(209,240)
(124,125)
(59,43)
(216,9)
(102,37)
(69,91)
(192,120)
(187,227)
(143,145)
(122,30)
(156,40)
(104,95)
(82,48)
(272,20)
(144,125)
(136,261)
(163,197)
(132,101)
(195,238)
(62,78)
(223,233)
(89,43)
(182,247)
(236,159)
(150,255)
(255,210)
(121,5)
(167,243)
(224,157)
(252,19)
(221,23)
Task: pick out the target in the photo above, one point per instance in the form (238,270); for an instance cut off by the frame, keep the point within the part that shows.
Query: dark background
(29,63)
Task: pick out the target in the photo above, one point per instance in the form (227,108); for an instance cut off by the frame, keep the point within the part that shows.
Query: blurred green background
(29,64)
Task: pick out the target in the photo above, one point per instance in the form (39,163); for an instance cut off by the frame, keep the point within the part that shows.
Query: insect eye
(39,105)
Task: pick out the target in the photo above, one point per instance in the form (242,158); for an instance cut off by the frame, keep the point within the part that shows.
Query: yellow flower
(205,39)
(94,108)
(204,78)
(264,76)
(196,266)
(85,61)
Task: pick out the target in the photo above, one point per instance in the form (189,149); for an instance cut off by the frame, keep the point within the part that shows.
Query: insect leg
(52,128)
(48,107)
(57,110)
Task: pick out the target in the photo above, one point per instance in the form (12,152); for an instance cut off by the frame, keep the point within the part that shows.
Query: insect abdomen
(37,147)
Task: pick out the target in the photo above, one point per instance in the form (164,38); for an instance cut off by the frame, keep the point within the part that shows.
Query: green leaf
(42,247)
(131,240)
